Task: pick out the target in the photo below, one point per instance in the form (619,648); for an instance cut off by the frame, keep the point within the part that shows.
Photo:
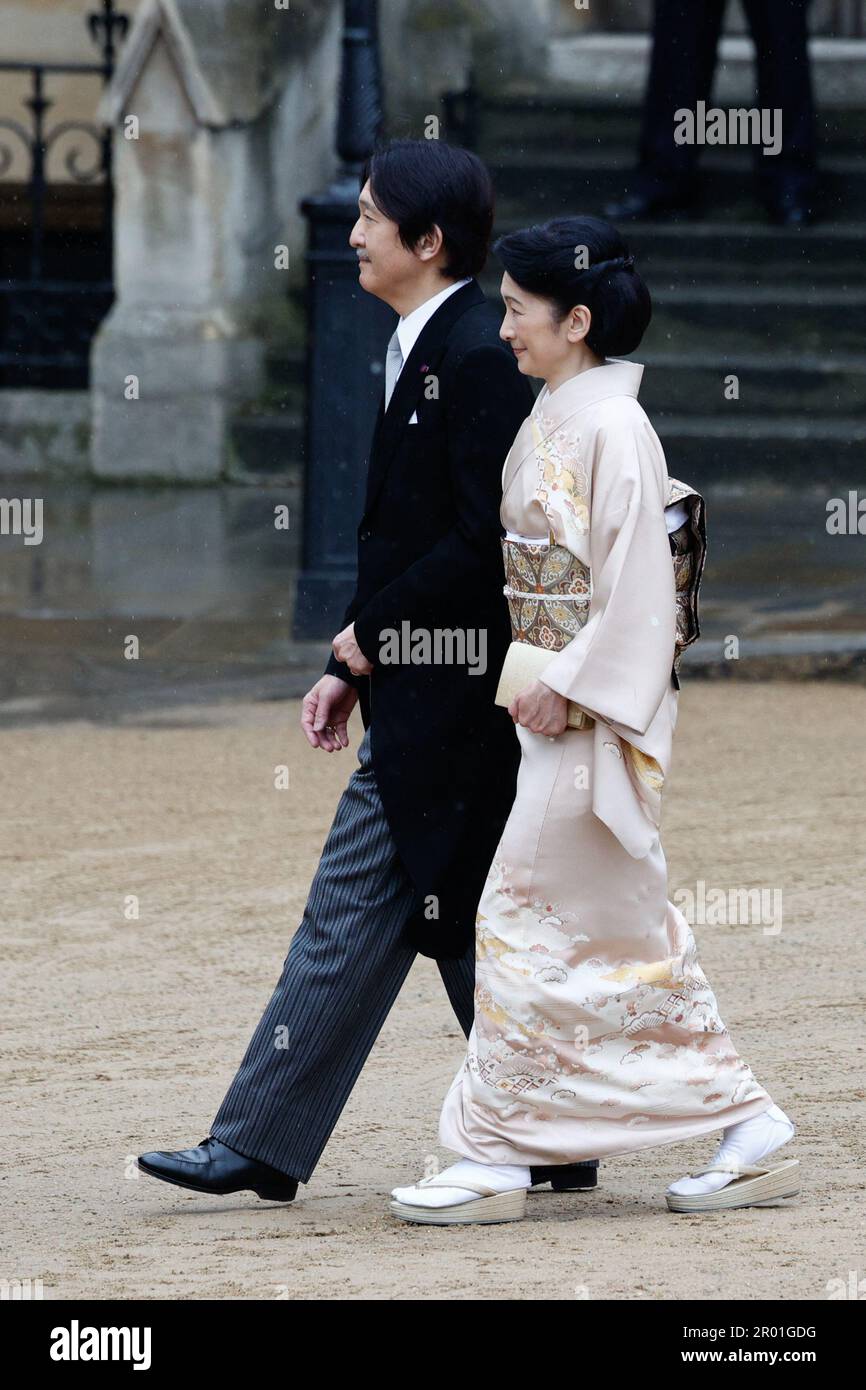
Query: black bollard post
(348,332)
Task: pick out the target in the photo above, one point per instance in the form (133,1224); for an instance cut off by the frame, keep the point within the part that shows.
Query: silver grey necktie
(393,363)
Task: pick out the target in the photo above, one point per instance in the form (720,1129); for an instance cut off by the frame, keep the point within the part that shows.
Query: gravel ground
(122,1033)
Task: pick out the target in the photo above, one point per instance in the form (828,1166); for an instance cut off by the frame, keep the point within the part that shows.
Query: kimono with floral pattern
(596,1031)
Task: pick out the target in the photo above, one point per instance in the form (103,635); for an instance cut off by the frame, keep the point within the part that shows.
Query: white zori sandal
(744,1152)
(488,1207)
(756,1185)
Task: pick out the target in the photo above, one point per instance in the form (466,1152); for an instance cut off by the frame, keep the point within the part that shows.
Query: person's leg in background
(682,64)
(789,180)
(458,977)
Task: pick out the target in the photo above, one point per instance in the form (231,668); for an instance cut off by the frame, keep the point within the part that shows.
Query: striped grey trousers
(345,966)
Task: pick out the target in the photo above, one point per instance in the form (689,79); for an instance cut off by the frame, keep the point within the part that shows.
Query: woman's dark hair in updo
(542,259)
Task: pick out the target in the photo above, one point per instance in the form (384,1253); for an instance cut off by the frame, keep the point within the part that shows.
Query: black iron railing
(56,222)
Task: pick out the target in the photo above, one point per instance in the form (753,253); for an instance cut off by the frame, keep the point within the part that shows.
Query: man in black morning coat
(416,829)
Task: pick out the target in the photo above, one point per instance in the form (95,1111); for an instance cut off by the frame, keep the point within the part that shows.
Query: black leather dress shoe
(214,1167)
(567,1177)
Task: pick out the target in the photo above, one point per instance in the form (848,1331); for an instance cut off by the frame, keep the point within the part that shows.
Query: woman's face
(542,346)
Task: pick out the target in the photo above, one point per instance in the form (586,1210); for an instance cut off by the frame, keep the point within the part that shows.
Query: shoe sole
(550,1188)
(480,1211)
(766,1190)
(265,1194)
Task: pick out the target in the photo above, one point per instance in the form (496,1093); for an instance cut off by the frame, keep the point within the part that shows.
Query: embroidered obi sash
(689,551)
(549,590)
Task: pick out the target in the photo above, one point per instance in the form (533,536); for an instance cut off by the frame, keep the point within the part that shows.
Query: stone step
(706,451)
(691,251)
(735,321)
(617,63)
(810,386)
(525,119)
(561,181)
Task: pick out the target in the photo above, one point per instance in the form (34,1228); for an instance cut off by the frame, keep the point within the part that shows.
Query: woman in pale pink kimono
(596,1032)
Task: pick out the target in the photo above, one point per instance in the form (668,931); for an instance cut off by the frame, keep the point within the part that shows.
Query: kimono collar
(552,409)
(615,377)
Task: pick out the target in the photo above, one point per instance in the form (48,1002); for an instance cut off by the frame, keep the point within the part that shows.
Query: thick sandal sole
(483,1211)
(769,1188)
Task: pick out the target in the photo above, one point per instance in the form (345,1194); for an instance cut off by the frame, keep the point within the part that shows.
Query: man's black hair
(422,183)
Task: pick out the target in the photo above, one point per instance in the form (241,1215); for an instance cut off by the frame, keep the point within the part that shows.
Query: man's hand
(346,649)
(540,709)
(325,713)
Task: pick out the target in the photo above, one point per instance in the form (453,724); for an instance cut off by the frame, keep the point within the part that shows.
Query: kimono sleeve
(618,666)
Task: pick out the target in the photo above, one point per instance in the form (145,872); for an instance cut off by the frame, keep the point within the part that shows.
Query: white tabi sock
(501,1177)
(745,1143)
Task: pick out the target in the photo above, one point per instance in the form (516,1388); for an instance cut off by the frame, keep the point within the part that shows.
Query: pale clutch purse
(523,664)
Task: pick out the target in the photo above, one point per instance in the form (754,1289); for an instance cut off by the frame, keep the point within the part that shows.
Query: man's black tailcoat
(445,756)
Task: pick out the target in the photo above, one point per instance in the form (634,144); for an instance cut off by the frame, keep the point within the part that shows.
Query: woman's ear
(579,321)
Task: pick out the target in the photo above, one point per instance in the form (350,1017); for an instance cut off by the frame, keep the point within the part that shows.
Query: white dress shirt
(409,328)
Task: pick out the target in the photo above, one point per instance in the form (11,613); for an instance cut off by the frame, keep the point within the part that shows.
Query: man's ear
(428,246)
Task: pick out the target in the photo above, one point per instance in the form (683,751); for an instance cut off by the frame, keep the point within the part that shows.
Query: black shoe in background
(567,1177)
(792,210)
(652,197)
